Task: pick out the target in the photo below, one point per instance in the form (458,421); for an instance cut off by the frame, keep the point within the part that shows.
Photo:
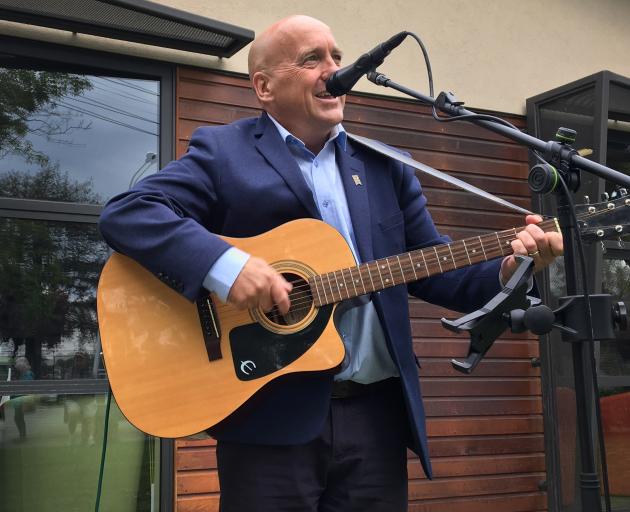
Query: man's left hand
(542,247)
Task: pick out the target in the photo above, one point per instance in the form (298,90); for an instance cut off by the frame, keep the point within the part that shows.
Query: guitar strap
(381,148)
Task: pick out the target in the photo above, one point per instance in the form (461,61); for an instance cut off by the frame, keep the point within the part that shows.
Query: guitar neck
(377,275)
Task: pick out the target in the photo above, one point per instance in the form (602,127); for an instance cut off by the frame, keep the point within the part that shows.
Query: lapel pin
(357,180)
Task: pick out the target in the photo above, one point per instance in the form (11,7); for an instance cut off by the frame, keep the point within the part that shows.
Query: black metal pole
(582,373)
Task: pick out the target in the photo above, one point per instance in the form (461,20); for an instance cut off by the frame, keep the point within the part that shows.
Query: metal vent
(139,21)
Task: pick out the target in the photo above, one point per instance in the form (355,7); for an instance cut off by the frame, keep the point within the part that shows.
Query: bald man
(313,441)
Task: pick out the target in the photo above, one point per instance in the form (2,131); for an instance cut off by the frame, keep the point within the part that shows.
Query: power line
(104,118)
(98,104)
(124,95)
(131,86)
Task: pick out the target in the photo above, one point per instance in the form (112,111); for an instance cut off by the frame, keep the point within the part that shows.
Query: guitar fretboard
(351,282)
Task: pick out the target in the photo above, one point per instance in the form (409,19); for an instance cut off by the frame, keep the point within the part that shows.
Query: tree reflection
(28,104)
(48,270)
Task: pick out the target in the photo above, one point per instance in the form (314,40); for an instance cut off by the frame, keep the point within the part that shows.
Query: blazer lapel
(355,185)
(275,151)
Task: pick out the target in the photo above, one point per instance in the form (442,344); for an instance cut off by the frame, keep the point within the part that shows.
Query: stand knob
(538,319)
(620,315)
(566,135)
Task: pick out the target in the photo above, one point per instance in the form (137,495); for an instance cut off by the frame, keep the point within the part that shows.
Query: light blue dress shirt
(367,357)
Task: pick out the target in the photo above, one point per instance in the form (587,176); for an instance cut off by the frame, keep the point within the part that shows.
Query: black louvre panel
(138,21)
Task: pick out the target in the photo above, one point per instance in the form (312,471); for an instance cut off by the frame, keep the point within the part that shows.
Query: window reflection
(48,277)
(615,355)
(77,138)
(51,453)
(615,407)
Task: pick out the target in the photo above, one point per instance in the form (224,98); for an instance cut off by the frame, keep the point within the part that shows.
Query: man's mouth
(324,94)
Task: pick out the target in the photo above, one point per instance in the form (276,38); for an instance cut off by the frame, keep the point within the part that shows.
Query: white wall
(492,54)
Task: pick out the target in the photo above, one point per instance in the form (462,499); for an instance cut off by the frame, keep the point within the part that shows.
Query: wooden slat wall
(486,430)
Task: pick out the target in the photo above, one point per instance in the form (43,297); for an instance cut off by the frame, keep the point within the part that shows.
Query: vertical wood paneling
(485,430)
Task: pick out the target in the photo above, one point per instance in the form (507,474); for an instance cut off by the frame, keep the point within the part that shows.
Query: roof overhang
(139,21)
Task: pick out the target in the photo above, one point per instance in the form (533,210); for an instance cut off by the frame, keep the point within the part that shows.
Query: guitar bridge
(210,328)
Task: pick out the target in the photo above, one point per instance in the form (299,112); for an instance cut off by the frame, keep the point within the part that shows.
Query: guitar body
(154,344)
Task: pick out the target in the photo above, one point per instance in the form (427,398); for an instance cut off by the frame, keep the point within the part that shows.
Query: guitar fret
(337,283)
(402,272)
(390,271)
(344,284)
(482,248)
(362,283)
(379,274)
(452,258)
(367,266)
(332,291)
(356,293)
(425,263)
(438,258)
(319,298)
(500,245)
(412,266)
(321,280)
(466,249)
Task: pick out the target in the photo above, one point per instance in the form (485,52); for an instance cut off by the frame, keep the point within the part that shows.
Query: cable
(484,117)
(591,339)
(103,452)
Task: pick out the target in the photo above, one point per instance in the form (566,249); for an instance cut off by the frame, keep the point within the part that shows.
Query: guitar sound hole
(301,302)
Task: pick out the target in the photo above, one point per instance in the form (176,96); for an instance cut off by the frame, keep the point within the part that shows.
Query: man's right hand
(258,284)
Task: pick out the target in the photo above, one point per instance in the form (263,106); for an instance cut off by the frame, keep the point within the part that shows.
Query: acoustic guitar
(177,368)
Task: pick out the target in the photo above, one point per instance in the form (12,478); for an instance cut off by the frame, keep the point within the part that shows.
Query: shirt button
(316,163)
(326,203)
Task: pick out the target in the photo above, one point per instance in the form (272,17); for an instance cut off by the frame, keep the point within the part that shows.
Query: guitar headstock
(605,220)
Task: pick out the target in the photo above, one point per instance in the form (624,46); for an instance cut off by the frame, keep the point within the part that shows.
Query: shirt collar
(337,134)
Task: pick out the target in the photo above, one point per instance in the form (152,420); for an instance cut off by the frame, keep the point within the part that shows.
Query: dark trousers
(357,464)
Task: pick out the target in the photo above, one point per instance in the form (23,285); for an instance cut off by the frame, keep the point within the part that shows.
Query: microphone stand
(574,308)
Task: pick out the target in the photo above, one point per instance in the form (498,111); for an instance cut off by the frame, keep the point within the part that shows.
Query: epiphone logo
(247,367)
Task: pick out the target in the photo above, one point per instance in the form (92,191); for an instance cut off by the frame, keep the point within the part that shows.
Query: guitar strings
(395,273)
(303,300)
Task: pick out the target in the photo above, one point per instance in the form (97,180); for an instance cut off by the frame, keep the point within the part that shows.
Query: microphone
(343,80)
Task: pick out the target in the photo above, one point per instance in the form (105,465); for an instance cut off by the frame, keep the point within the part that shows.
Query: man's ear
(262,87)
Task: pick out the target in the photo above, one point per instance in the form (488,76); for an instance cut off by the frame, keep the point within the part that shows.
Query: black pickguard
(257,352)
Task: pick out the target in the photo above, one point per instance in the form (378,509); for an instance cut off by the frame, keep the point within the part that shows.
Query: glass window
(75,138)
(50,448)
(48,277)
(68,139)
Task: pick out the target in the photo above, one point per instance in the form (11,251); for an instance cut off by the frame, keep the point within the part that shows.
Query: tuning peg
(605,196)
(620,243)
(623,192)
(587,200)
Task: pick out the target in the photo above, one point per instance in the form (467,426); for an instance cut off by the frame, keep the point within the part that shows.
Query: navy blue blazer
(240,180)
